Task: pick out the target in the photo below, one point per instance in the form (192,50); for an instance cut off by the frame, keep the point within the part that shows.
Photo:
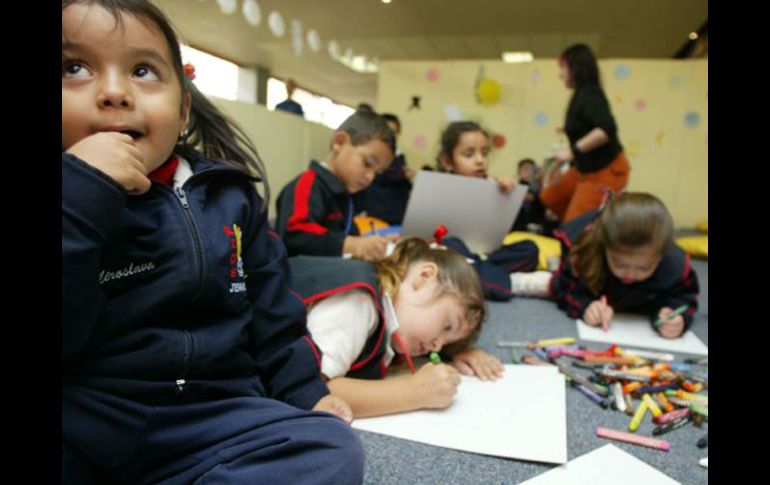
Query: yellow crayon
(552,341)
(654,409)
(692,397)
(636,420)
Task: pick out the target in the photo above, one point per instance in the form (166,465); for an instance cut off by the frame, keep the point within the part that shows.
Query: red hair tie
(189,71)
(439,233)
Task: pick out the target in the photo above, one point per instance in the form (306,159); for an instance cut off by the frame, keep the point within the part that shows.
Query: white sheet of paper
(473,209)
(522,415)
(635,331)
(608,465)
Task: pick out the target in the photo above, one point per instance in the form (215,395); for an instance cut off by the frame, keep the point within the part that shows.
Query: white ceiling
(432,30)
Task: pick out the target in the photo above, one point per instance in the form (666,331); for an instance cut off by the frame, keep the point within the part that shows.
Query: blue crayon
(541,353)
(591,395)
(676,367)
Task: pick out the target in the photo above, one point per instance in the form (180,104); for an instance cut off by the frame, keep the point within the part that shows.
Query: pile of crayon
(635,382)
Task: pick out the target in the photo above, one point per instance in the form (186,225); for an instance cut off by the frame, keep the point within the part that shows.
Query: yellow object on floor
(695,246)
(703,226)
(365,223)
(548,247)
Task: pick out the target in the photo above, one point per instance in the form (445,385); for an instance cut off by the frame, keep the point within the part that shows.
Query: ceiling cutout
(313,40)
(228,7)
(251,12)
(276,23)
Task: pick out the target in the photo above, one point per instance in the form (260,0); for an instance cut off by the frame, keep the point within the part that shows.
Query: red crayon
(614,434)
(665,418)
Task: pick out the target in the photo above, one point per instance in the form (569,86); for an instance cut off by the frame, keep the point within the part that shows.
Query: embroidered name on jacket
(236,262)
(130,270)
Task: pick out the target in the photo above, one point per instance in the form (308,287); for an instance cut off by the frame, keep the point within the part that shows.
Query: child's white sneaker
(531,284)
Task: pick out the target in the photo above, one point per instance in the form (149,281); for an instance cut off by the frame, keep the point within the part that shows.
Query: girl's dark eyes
(74,70)
(146,73)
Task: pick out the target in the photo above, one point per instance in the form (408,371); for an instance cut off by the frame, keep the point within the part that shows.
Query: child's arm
(569,292)
(433,386)
(505,183)
(476,362)
(300,221)
(335,405)
(286,358)
(91,203)
(684,292)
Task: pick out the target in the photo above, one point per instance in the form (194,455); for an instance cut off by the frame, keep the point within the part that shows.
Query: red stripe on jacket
(298,220)
(380,312)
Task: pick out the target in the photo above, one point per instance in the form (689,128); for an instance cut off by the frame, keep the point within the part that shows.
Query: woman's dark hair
(582,65)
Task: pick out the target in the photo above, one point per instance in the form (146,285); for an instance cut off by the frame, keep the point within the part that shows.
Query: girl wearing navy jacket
(185,355)
(622,258)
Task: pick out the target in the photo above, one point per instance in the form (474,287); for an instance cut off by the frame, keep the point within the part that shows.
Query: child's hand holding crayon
(372,248)
(671,326)
(435,385)
(599,312)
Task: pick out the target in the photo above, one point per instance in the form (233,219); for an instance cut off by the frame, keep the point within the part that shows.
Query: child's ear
(445,163)
(185,114)
(426,273)
(339,140)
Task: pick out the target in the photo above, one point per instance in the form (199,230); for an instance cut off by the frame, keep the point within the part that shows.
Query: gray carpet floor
(394,461)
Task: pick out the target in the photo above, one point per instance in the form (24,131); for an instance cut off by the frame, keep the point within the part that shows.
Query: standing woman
(595,154)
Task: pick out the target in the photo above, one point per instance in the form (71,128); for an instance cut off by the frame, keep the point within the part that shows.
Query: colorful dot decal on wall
(541,119)
(536,77)
(675,82)
(633,147)
(622,71)
(692,119)
(420,142)
(640,105)
(617,99)
(432,74)
(498,140)
(659,137)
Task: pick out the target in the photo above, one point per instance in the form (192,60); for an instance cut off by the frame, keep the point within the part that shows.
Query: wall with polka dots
(661,108)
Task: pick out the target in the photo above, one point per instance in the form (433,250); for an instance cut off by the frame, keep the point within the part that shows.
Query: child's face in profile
(357,165)
(526,172)
(119,77)
(633,264)
(469,156)
(427,322)
(564,74)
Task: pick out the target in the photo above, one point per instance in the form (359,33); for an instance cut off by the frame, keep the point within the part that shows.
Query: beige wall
(285,141)
(650,104)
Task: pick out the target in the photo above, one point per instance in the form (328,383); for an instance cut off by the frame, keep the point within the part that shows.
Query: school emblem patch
(236,273)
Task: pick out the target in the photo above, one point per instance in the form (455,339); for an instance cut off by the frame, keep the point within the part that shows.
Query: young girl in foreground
(185,359)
